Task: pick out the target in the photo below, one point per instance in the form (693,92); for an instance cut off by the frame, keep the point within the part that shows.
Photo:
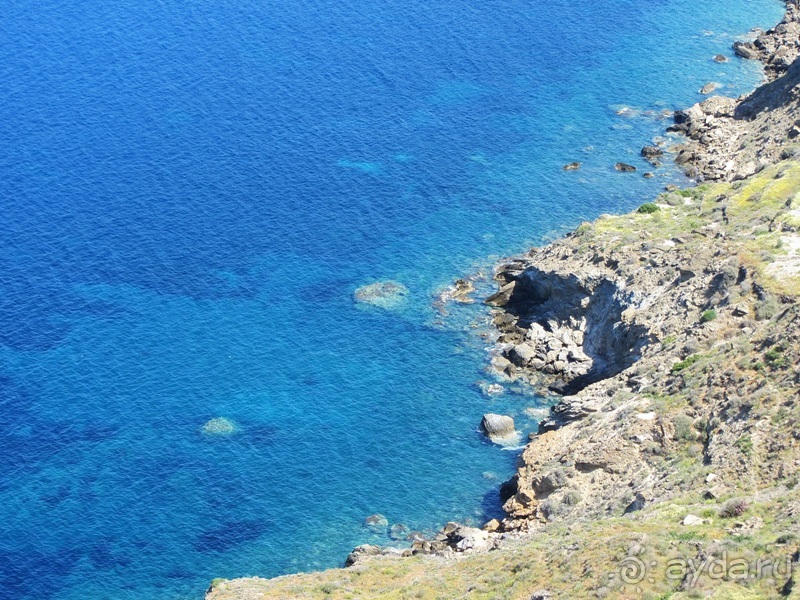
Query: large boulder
(498,428)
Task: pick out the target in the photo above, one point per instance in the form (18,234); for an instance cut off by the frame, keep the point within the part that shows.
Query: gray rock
(497,426)
(573,166)
(708,88)
(624,167)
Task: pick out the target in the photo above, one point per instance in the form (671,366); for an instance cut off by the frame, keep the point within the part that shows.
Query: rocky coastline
(672,336)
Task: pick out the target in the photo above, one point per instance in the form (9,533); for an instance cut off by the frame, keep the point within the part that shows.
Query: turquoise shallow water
(191,194)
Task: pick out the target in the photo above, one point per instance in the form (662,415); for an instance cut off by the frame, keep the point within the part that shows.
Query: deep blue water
(191,192)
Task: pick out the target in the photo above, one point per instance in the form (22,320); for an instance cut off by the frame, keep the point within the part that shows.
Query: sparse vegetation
(686,363)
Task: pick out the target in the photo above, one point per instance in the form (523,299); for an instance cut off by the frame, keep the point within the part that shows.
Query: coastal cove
(197,200)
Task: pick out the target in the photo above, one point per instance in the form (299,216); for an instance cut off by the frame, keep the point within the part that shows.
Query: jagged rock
(462,289)
(745,50)
(624,167)
(542,595)
(502,296)
(522,354)
(652,152)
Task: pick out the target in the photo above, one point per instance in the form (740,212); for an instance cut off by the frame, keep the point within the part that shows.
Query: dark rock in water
(463,288)
(649,175)
(649,152)
(573,166)
(376,522)
(624,167)
(720,58)
(415,536)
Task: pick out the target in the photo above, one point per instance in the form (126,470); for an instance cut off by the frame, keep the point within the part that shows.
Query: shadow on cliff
(594,306)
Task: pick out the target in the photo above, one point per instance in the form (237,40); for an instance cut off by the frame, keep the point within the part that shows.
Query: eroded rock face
(572,328)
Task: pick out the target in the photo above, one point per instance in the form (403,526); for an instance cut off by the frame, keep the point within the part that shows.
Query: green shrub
(775,357)
(745,444)
(684,428)
(648,208)
(686,363)
(707,316)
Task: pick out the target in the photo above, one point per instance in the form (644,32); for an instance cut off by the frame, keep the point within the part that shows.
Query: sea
(191,194)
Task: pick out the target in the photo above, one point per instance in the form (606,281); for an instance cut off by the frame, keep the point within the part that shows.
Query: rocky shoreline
(672,335)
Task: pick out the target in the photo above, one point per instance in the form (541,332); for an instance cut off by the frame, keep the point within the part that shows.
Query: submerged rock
(219,426)
(399,532)
(383,294)
(573,166)
(377,522)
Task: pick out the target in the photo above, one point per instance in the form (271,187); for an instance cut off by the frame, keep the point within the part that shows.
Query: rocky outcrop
(564,326)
